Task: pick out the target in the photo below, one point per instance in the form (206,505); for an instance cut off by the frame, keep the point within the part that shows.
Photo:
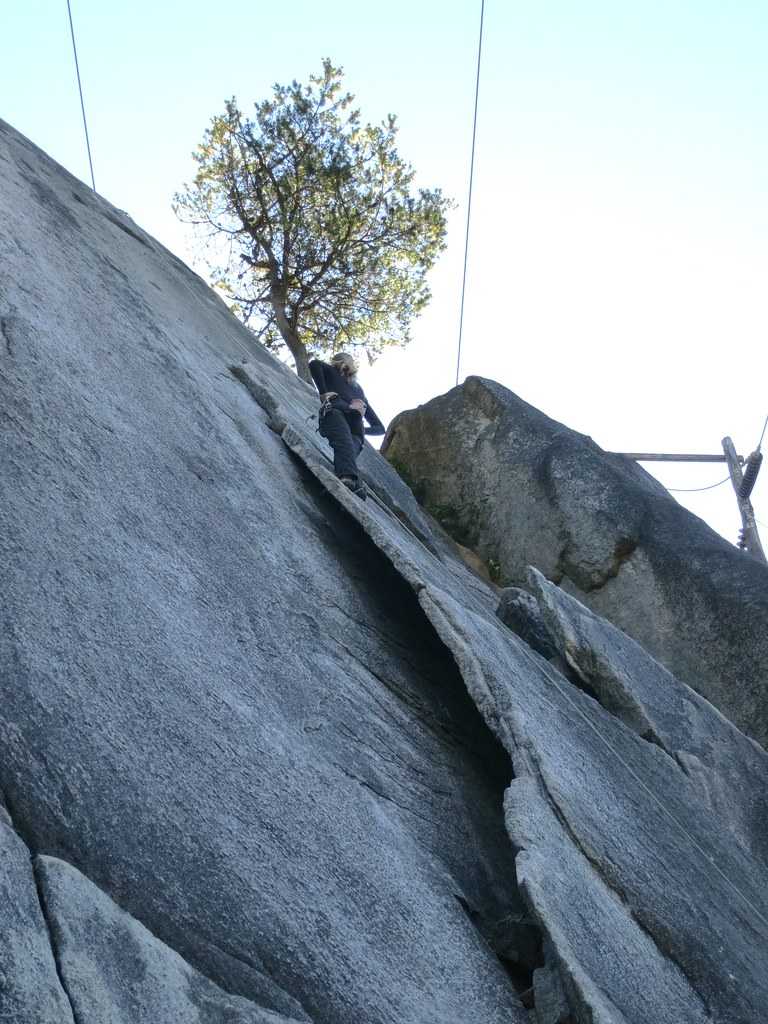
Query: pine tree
(327,245)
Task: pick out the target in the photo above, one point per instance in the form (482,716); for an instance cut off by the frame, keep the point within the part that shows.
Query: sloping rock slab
(30,990)
(231,696)
(116,971)
(219,703)
(523,490)
(728,768)
(654,908)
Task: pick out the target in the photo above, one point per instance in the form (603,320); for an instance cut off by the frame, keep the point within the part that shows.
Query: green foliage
(327,244)
(494,571)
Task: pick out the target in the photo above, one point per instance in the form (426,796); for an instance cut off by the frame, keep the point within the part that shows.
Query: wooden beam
(751,536)
(659,457)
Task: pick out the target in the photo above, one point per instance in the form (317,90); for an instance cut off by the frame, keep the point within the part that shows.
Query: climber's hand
(358,405)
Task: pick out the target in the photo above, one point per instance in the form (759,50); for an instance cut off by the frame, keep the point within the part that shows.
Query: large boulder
(522,489)
(268,754)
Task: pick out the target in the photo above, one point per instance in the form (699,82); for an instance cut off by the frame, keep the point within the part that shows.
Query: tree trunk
(291,338)
(301,361)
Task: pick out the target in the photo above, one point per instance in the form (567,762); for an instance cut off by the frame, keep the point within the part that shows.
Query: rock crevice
(524,490)
(266,733)
(53,939)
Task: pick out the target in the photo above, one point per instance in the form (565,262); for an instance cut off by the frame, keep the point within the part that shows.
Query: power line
(692,490)
(762,435)
(80,90)
(471,177)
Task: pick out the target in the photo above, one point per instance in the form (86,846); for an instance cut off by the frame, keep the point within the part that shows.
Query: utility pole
(750,539)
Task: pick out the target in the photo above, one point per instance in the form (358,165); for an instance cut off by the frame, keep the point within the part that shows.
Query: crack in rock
(37,870)
(108,958)
(587,997)
(53,937)
(385,796)
(378,535)
(262,397)
(46,927)
(5,331)
(610,883)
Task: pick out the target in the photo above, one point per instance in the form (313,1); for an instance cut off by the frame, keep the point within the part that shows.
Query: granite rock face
(267,752)
(520,611)
(220,703)
(522,489)
(113,969)
(30,990)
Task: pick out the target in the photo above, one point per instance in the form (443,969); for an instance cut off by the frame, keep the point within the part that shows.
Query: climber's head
(345,364)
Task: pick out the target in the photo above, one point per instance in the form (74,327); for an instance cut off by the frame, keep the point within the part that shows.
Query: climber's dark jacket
(328,378)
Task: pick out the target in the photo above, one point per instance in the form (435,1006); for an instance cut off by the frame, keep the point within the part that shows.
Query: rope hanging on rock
(469,198)
(80,90)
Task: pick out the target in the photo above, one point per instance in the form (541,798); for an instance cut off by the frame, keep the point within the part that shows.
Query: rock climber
(343,406)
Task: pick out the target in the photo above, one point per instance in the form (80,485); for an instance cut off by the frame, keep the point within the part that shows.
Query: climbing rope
(469,198)
(762,435)
(80,90)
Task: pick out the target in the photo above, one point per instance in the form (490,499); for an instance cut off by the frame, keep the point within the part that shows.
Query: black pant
(346,444)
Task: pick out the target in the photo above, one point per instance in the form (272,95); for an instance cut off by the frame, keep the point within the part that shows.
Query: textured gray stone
(30,991)
(620,855)
(520,611)
(219,703)
(729,769)
(259,714)
(654,908)
(522,489)
(116,972)
(551,1002)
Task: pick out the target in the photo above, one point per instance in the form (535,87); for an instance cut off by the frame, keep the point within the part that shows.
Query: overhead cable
(763,434)
(80,90)
(693,490)
(471,178)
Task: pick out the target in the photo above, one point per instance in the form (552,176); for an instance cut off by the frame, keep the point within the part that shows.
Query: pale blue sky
(619,246)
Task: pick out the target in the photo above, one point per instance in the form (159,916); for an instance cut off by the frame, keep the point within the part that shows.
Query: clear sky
(619,240)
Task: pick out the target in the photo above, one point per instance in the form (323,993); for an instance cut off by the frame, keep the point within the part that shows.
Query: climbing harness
(325,408)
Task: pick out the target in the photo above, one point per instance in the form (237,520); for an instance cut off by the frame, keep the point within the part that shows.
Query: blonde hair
(346,364)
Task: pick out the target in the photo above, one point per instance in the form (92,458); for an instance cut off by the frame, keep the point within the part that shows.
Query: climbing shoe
(356,486)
